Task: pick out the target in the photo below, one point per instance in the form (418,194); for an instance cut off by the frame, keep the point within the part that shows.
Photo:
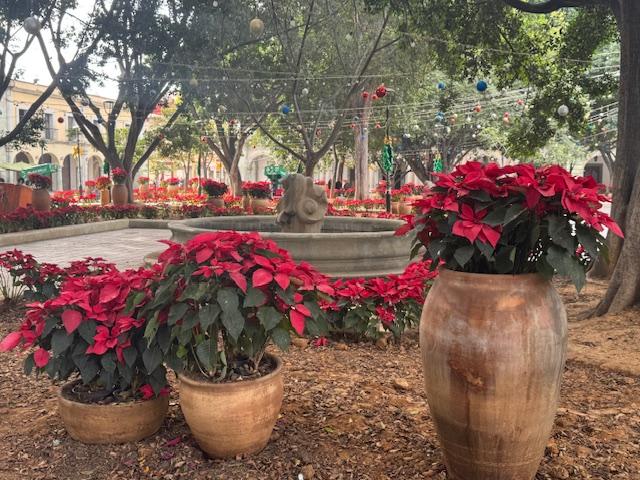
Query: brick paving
(126,248)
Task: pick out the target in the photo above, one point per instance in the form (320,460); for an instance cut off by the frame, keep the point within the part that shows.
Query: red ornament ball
(374,97)
(60,120)
(365,95)
(477,108)
(381,91)
(161,136)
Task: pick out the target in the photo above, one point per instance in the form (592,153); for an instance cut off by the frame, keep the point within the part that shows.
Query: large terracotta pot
(115,423)
(41,200)
(119,194)
(405,207)
(260,204)
(493,352)
(395,208)
(229,419)
(217,202)
(105,196)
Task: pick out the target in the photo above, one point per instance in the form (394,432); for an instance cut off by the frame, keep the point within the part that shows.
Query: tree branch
(548,6)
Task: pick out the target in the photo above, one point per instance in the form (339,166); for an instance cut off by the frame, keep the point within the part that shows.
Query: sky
(33,65)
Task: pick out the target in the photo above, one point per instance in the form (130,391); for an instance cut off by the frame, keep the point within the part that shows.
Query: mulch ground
(350,412)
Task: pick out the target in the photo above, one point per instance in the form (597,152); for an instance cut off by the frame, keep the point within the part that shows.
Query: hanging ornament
(378,125)
(442,85)
(256,27)
(318,133)
(32,25)
(473,136)
(416,127)
(438,167)
(356,119)
(374,97)
(60,120)
(468,119)
(365,95)
(506,118)
(161,136)
(305,91)
(477,108)
(493,116)
(214,4)
(481,86)
(448,130)
(286,109)
(203,139)
(222,109)
(520,102)
(381,91)
(387,156)
(563,110)
(353,126)
(439,117)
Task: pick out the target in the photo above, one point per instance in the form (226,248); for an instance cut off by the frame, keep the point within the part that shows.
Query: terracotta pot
(395,208)
(493,351)
(260,204)
(116,423)
(229,419)
(405,208)
(41,200)
(143,188)
(173,189)
(217,202)
(246,202)
(105,197)
(119,194)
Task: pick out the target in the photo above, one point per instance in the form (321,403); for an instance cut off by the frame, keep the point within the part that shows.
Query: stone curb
(18,238)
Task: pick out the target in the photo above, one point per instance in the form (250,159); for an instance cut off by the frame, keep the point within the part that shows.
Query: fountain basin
(346,247)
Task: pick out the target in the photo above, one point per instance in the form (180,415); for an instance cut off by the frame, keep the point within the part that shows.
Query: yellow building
(61,136)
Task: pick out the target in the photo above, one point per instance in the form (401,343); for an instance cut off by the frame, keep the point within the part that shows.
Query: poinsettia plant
(119,176)
(174,181)
(143,180)
(92,328)
(39,182)
(214,189)
(102,183)
(484,218)
(257,189)
(223,297)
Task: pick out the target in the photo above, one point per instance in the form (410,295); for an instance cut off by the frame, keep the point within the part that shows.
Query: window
(21,113)
(48,126)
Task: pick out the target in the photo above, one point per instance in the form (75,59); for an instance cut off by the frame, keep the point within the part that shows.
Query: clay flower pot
(143,188)
(173,189)
(246,202)
(229,419)
(405,207)
(41,200)
(119,194)
(395,208)
(260,204)
(217,202)
(105,197)
(493,352)
(115,423)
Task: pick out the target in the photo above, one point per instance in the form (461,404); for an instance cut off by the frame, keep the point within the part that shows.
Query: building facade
(61,137)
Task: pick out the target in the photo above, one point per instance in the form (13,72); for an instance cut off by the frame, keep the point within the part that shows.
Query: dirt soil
(350,412)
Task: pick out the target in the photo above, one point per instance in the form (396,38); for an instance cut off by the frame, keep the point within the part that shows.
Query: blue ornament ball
(481,86)
(286,109)
(442,85)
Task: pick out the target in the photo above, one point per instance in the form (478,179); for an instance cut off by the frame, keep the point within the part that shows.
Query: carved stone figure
(303,206)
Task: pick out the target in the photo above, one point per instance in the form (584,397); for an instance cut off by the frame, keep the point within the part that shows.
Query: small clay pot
(114,423)
(230,419)
(246,202)
(41,200)
(395,208)
(216,202)
(260,204)
(173,189)
(105,197)
(405,208)
(143,188)
(119,194)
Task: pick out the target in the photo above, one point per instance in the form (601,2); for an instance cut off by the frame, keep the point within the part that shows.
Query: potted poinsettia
(144,184)
(223,298)
(398,197)
(119,193)
(91,332)
(494,331)
(260,193)
(215,190)
(104,184)
(173,185)
(41,200)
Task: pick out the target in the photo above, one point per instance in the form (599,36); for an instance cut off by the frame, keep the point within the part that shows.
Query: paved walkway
(126,248)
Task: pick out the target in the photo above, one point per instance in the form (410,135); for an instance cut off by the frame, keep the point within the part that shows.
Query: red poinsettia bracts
(485,218)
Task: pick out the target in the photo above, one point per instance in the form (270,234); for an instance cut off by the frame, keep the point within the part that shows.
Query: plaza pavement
(126,248)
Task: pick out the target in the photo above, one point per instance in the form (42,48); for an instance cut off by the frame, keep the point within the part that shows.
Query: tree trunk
(309,167)
(624,288)
(235,179)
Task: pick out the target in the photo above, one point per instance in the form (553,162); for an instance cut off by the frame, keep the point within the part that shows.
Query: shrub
(213,188)
(510,220)
(223,297)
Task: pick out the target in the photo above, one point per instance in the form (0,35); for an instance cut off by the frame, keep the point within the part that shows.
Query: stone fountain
(337,246)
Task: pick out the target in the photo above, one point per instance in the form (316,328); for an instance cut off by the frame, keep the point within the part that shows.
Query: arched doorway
(94,164)
(23,157)
(67,165)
